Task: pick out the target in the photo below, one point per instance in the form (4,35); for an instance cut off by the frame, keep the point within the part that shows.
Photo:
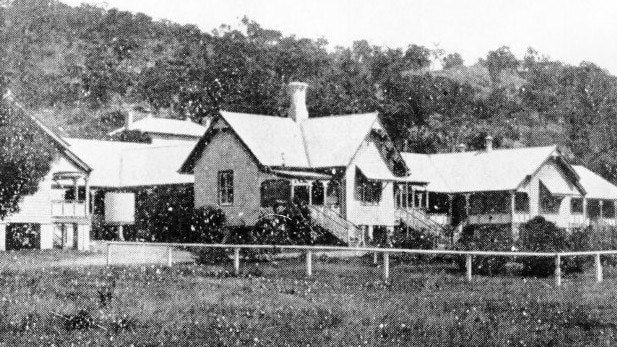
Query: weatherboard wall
(361,213)
(36,207)
(226,152)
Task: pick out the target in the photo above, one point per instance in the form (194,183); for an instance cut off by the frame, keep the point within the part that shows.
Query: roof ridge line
(305,144)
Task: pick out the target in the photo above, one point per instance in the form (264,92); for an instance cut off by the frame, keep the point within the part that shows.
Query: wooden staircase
(419,219)
(338,226)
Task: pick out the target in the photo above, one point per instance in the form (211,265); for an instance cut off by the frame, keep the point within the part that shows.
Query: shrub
(208,226)
(410,238)
(485,238)
(404,237)
(540,235)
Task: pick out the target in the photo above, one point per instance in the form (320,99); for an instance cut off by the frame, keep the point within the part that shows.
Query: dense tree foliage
(83,65)
(25,156)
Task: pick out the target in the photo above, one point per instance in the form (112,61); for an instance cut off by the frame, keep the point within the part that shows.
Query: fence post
(237,261)
(558,270)
(375,258)
(599,276)
(169,260)
(386,266)
(309,263)
(108,254)
(468,266)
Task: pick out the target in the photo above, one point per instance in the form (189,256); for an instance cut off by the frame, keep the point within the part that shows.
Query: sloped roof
(596,186)
(170,126)
(127,164)
(281,142)
(475,171)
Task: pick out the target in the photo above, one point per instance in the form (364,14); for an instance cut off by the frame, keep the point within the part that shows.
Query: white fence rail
(557,256)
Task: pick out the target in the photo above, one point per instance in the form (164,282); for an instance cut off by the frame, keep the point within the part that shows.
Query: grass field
(344,304)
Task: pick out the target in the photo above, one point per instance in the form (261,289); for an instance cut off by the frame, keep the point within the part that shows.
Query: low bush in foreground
(485,238)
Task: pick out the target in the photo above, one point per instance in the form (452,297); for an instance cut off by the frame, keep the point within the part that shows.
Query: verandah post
(599,276)
(386,266)
(468,266)
(558,270)
(169,259)
(236,261)
(108,254)
(309,263)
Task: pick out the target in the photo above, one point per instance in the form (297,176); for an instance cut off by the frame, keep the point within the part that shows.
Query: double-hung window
(226,187)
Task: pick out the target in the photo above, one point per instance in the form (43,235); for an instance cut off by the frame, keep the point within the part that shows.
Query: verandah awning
(302,174)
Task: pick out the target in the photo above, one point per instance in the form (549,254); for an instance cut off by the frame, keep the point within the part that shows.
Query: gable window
(576,206)
(549,203)
(367,191)
(226,187)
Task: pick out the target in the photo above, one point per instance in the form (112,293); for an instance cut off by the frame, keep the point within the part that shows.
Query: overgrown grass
(345,303)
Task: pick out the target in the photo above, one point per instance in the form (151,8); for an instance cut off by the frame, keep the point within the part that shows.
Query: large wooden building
(356,182)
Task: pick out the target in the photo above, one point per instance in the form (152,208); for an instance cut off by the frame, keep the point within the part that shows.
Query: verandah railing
(308,250)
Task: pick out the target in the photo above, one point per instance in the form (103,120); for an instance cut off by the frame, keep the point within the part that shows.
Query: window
(549,204)
(333,194)
(521,202)
(275,192)
(367,191)
(226,187)
(576,205)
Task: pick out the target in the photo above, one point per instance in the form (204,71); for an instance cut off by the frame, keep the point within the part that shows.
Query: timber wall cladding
(36,208)
(226,152)
(361,213)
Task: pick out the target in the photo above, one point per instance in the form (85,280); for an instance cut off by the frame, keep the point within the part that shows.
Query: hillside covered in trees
(80,69)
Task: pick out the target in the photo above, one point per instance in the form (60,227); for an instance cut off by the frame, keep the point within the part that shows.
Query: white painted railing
(65,208)
(557,256)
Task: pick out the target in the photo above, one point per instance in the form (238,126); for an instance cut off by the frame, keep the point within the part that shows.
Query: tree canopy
(84,65)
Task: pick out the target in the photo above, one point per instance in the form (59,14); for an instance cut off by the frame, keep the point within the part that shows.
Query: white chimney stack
(297,108)
(488,143)
(128,121)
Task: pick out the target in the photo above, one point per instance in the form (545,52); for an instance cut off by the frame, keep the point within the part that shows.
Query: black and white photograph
(308,173)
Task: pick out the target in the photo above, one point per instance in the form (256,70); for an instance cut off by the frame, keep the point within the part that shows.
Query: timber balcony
(68,208)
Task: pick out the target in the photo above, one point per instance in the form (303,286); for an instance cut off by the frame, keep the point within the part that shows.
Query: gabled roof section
(128,164)
(282,142)
(332,141)
(596,186)
(275,141)
(56,139)
(169,126)
(477,171)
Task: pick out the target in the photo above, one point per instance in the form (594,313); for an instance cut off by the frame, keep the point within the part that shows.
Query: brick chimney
(297,107)
(488,143)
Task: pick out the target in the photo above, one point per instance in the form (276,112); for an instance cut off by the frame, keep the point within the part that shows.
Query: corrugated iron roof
(475,171)
(313,143)
(596,186)
(169,126)
(126,164)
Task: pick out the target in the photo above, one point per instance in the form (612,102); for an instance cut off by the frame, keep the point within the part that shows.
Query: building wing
(127,164)
(477,171)
(596,186)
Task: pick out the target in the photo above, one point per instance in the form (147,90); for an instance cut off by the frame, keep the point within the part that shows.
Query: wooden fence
(308,250)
